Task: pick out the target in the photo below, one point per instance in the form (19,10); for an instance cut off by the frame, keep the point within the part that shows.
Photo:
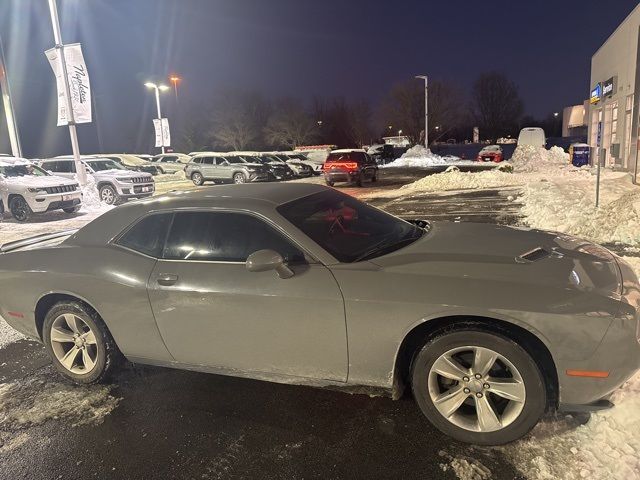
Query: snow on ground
(420,157)
(465,468)
(8,335)
(606,447)
(37,399)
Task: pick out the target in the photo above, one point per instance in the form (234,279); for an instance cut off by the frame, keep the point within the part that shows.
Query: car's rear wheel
(478,387)
(197,179)
(329,183)
(109,195)
(239,178)
(79,343)
(20,209)
(358,181)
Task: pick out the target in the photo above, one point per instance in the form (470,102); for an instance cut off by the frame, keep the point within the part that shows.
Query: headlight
(37,190)
(125,180)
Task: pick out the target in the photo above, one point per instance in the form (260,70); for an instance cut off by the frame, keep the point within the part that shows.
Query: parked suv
(299,167)
(352,166)
(225,168)
(132,162)
(171,162)
(26,189)
(114,182)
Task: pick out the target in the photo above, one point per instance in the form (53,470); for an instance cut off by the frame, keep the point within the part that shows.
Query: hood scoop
(534,255)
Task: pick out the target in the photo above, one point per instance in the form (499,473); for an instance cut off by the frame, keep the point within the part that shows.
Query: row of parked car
(37,186)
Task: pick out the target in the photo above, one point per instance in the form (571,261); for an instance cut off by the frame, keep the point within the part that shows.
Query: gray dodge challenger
(489,326)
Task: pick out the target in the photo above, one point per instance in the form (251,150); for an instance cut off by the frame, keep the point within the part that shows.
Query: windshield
(347,228)
(491,148)
(101,165)
(22,171)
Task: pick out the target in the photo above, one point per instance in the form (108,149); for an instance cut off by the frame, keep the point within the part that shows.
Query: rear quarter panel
(110,279)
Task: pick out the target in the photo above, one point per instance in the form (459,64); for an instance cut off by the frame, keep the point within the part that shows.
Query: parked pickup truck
(26,189)
(114,182)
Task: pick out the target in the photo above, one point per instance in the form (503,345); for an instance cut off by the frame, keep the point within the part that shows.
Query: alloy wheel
(74,344)
(196,178)
(107,195)
(239,178)
(20,209)
(476,388)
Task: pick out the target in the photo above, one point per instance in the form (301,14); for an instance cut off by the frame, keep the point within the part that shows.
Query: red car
(491,153)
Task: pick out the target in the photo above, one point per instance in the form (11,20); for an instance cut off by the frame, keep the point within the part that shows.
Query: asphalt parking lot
(163,423)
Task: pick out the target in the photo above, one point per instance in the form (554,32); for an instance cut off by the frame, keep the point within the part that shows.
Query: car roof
(10,161)
(349,150)
(253,197)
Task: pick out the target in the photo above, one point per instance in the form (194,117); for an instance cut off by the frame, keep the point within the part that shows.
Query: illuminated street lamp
(175,79)
(319,123)
(158,89)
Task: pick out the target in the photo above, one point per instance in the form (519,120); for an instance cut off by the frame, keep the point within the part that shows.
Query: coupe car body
(315,287)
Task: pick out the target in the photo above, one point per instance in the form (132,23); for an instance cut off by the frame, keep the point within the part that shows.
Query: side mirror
(265,260)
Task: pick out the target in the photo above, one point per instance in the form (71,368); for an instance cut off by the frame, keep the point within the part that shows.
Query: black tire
(108,355)
(329,183)
(535,400)
(374,178)
(239,178)
(20,209)
(197,179)
(71,210)
(358,181)
(109,195)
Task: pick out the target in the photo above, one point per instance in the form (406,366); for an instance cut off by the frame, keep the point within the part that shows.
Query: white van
(533,136)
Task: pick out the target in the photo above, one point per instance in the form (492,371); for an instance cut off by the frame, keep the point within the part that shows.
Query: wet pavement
(161,423)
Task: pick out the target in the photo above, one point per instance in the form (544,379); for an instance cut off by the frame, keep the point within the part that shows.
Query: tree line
(246,120)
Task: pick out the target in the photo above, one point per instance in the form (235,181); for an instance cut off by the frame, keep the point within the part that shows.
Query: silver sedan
(490,326)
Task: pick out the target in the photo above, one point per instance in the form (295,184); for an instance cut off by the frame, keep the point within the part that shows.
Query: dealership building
(613,106)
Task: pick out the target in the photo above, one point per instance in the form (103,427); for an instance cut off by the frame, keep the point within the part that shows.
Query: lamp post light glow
(158,89)
(175,79)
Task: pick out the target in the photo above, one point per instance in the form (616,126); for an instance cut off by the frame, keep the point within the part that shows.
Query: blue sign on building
(596,93)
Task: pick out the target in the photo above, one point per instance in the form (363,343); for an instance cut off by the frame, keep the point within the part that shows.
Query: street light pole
(157,89)
(12,125)
(426,109)
(75,147)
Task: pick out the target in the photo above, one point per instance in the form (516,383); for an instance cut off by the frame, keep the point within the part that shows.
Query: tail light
(347,165)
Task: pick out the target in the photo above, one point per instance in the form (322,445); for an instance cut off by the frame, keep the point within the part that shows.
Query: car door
(208,167)
(212,311)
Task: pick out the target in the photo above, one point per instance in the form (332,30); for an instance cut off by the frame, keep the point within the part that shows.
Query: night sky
(300,48)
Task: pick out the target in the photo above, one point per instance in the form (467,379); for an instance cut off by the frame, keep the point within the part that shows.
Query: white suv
(26,189)
(114,182)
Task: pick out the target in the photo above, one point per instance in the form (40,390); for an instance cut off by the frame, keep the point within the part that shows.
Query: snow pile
(420,157)
(91,197)
(456,180)
(465,468)
(608,446)
(8,335)
(528,159)
(569,207)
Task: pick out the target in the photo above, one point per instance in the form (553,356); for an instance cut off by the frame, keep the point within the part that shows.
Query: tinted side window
(197,160)
(66,166)
(224,237)
(148,235)
(208,161)
(50,166)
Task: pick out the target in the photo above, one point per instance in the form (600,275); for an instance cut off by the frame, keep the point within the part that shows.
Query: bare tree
(404,109)
(239,119)
(344,124)
(290,125)
(496,104)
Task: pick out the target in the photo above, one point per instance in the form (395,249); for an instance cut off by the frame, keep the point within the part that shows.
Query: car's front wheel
(20,209)
(79,343)
(478,387)
(239,178)
(197,179)
(109,195)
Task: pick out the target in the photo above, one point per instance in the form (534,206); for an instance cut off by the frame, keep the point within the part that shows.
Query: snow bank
(420,157)
(91,197)
(456,180)
(8,335)
(569,207)
(527,159)
(465,468)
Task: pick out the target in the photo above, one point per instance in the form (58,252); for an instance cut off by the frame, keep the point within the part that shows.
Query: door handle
(166,279)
